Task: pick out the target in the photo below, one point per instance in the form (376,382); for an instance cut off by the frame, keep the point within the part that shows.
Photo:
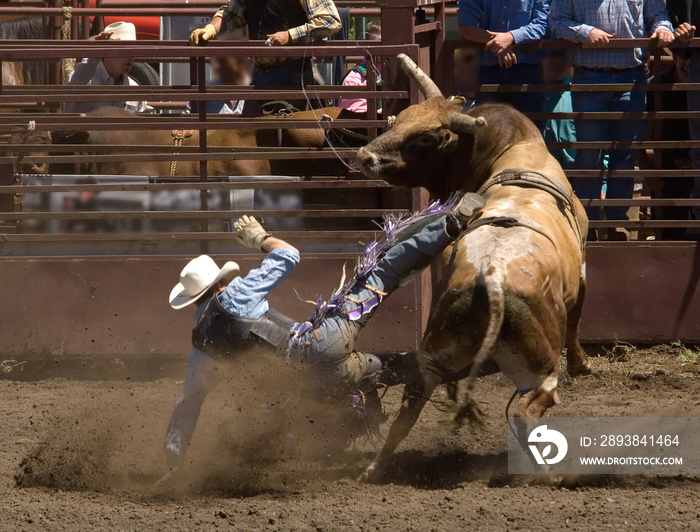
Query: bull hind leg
(577,363)
(417,392)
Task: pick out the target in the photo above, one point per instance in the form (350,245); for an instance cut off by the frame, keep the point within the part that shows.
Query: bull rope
(528,178)
(67,63)
(178,137)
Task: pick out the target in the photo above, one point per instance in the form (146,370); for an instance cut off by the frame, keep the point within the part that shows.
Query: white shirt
(222,107)
(91,71)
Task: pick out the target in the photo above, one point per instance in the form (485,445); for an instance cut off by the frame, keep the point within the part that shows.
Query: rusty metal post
(74,22)
(203,170)
(397,28)
(84,21)
(99,22)
(443,72)
(372,102)
(7,201)
(55,28)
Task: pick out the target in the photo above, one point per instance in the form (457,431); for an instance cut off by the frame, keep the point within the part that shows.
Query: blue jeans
(334,340)
(607,130)
(522,73)
(202,376)
(694,105)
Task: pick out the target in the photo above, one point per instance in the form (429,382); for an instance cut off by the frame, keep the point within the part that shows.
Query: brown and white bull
(513,289)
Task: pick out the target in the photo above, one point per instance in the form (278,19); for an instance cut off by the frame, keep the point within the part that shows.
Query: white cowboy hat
(121,31)
(197,277)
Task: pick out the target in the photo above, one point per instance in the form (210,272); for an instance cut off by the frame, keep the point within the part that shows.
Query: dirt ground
(82,455)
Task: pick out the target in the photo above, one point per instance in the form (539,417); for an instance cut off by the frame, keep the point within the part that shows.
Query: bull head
(428,143)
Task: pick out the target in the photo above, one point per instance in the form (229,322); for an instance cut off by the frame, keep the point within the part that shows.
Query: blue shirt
(526,20)
(247,296)
(573,20)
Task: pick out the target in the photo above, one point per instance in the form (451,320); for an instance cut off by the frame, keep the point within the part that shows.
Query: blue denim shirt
(573,20)
(526,20)
(247,296)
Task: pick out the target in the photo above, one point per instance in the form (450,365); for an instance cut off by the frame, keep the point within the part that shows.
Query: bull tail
(469,408)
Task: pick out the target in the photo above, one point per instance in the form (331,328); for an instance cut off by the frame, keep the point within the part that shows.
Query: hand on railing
(202,35)
(662,37)
(598,38)
(281,38)
(684,33)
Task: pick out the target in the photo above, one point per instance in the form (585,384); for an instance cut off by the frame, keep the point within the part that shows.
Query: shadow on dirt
(452,469)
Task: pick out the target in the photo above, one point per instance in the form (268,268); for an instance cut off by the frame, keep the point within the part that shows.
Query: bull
(312,138)
(513,286)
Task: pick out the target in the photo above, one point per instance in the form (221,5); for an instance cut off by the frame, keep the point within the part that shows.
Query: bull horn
(461,123)
(426,85)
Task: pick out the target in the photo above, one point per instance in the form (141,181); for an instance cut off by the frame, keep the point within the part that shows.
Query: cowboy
(278,23)
(107,71)
(233,315)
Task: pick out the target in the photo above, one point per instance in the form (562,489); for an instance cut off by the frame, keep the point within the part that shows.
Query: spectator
(357,75)
(595,22)
(228,70)
(280,23)
(685,13)
(677,158)
(502,25)
(107,71)
(557,70)
(466,71)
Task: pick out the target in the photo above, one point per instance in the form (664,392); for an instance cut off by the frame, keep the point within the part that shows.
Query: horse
(23,72)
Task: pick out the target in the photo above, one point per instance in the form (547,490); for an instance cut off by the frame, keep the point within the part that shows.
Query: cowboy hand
(684,32)
(500,42)
(202,35)
(104,36)
(598,38)
(507,58)
(281,38)
(250,232)
(663,36)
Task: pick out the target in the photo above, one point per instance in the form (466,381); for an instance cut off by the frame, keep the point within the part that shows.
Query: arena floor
(82,455)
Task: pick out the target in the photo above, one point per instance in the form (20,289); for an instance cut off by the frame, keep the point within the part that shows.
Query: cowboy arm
(324,21)
(470,14)
(231,14)
(536,29)
(656,16)
(84,71)
(247,296)
(271,243)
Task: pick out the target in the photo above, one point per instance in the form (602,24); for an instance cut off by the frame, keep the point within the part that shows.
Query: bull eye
(426,141)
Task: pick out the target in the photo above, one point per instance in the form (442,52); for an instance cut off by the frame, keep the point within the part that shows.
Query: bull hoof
(371,475)
(579,371)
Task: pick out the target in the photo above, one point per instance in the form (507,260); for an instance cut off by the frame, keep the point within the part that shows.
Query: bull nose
(367,159)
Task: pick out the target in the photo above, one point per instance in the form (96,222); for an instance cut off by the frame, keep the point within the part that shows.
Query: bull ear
(461,123)
(426,85)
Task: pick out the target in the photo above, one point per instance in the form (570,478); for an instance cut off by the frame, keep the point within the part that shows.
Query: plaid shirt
(573,20)
(323,17)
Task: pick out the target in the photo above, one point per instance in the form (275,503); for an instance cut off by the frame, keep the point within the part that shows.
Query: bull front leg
(416,394)
(577,363)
